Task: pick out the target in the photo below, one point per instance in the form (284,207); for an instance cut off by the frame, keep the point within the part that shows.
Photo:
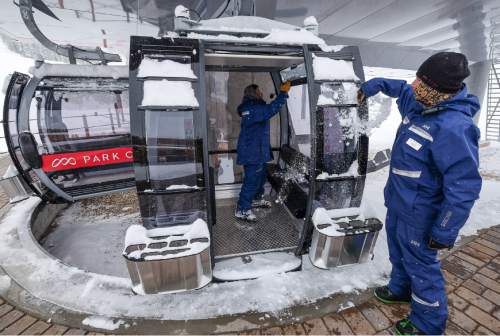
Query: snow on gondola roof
(76,70)
(251,29)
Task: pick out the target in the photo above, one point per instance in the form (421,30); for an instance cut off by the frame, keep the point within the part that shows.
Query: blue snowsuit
(433,183)
(254,148)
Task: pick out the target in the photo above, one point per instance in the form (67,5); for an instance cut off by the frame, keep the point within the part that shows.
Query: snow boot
(246,215)
(406,327)
(261,203)
(384,295)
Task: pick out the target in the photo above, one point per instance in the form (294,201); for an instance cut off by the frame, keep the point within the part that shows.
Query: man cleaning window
(254,148)
(433,183)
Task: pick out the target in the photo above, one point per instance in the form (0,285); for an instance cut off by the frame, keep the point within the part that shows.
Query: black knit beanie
(444,71)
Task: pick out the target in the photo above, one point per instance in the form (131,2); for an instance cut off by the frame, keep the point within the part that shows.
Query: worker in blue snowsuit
(433,183)
(254,148)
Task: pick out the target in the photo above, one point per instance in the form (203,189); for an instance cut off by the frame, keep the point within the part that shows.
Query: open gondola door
(13,96)
(336,231)
(168,128)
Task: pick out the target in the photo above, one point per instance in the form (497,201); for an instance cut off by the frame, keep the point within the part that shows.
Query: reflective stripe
(421,132)
(422,302)
(414,144)
(446,219)
(407,173)
(245,113)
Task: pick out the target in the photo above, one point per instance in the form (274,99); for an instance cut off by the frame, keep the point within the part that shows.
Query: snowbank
(104,322)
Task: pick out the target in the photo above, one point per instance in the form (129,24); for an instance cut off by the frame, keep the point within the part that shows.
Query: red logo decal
(67,161)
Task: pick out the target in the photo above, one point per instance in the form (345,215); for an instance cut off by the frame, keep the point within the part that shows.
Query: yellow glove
(285,87)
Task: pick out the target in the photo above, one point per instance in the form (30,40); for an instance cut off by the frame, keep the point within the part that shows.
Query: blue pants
(253,185)
(417,270)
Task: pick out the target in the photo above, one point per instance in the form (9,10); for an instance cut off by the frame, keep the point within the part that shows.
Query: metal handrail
(493,100)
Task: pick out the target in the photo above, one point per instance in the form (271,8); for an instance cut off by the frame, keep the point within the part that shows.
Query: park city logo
(63,162)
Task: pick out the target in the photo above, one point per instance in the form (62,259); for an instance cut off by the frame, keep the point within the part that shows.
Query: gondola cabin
(168,126)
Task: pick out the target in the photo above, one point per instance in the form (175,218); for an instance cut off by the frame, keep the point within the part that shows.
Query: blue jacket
(434,178)
(254,142)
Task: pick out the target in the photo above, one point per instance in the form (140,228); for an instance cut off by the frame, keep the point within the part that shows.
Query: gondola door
(169,131)
(340,147)
(12,128)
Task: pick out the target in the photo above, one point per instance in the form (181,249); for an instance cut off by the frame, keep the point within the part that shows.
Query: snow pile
(79,70)
(11,172)
(165,68)
(384,117)
(275,36)
(329,69)
(310,21)
(260,265)
(181,11)
(324,223)
(105,323)
(4,284)
(196,237)
(245,24)
(169,93)
(490,163)
(351,172)
(352,125)
(327,221)
(336,94)
(379,110)
(181,187)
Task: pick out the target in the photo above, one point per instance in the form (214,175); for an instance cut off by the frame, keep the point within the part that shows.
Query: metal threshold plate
(256,266)
(275,230)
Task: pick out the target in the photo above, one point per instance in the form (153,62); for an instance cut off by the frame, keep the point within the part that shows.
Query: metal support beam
(477,82)
(26,8)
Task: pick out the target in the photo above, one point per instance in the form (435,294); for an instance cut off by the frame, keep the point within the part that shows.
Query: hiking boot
(261,203)
(246,215)
(406,327)
(384,295)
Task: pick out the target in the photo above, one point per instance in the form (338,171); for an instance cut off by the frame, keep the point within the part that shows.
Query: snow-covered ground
(106,295)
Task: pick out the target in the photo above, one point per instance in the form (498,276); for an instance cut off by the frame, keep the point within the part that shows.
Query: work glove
(361,97)
(434,245)
(285,87)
